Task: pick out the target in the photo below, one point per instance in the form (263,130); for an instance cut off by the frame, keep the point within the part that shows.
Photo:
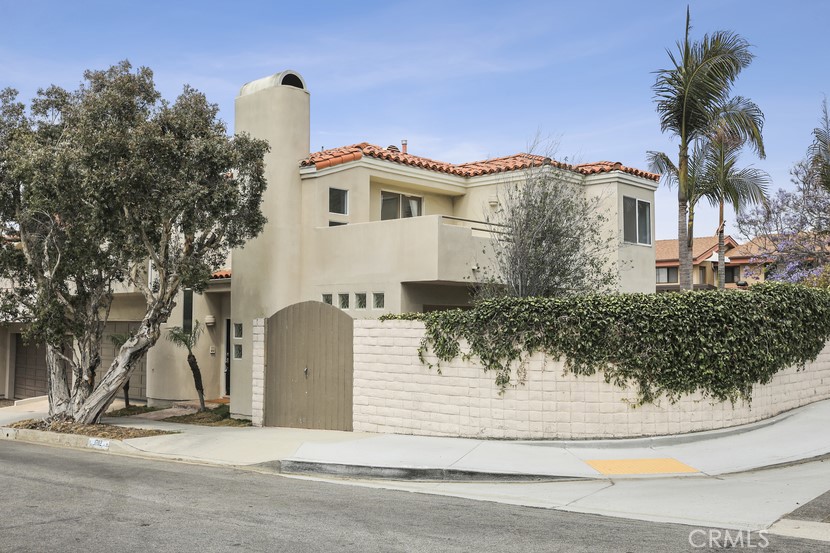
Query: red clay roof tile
(220,274)
(345,154)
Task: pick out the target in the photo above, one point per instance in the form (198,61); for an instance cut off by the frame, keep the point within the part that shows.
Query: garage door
(138,380)
(30,378)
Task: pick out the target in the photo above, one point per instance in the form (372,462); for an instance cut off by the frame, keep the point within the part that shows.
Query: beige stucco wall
(169,377)
(394,392)
(267,270)
(636,261)
(379,256)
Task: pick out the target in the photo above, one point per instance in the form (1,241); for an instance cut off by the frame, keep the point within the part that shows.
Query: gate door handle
(305,372)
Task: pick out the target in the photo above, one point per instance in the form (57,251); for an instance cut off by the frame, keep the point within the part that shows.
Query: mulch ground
(219,416)
(6,402)
(106,431)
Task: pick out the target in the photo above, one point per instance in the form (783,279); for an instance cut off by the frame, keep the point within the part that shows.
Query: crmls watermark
(722,539)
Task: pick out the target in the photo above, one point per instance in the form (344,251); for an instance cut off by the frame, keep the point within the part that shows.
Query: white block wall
(258,371)
(394,392)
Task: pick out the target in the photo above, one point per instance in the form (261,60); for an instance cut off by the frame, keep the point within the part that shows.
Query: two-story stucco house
(370,230)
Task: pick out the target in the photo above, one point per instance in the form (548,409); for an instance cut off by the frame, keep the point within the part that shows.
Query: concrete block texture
(394,392)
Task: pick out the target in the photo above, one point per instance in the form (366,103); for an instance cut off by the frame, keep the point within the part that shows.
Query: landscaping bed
(220,416)
(106,431)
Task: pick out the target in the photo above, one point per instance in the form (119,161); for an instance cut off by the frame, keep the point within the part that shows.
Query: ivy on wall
(719,343)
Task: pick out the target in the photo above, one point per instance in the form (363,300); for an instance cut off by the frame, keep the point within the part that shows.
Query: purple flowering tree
(791,234)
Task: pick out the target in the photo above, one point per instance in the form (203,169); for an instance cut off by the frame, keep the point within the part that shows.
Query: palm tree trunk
(721,250)
(197,379)
(684,251)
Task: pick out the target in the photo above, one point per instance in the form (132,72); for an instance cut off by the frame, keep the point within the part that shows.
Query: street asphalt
(64,500)
(728,485)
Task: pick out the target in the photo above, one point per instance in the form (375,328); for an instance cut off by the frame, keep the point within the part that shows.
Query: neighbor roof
(345,154)
(666,251)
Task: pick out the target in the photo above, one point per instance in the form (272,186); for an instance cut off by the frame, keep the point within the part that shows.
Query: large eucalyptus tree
(110,185)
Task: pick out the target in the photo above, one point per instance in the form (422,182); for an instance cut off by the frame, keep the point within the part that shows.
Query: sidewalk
(791,437)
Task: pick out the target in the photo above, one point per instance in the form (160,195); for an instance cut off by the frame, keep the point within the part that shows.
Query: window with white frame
(360,300)
(343,300)
(378,300)
(338,201)
(636,221)
(327,299)
(399,206)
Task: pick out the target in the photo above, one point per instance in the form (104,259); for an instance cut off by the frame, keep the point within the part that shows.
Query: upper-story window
(398,206)
(636,221)
(338,201)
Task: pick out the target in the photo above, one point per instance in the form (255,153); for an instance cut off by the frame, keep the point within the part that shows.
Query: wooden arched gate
(309,367)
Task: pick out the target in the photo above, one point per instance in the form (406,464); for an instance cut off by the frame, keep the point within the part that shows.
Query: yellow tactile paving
(665,465)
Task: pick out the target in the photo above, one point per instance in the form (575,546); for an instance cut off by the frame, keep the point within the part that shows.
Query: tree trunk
(721,251)
(119,372)
(59,398)
(197,379)
(127,394)
(684,252)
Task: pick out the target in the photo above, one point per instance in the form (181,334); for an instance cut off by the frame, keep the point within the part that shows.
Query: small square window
(343,301)
(336,223)
(237,351)
(379,300)
(338,201)
(360,300)
(237,330)
(327,298)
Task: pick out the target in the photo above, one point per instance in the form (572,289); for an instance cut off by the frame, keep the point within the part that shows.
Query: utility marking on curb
(98,443)
(665,465)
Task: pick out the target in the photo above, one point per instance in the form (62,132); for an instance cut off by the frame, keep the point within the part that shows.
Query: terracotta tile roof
(758,247)
(667,250)
(221,274)
(345,154)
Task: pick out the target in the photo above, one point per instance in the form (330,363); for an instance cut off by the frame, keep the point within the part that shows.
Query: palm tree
(820,148)
(725,182)
(690,96)
(188,339)
(713,174)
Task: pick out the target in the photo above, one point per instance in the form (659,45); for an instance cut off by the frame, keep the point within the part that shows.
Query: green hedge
(719,343)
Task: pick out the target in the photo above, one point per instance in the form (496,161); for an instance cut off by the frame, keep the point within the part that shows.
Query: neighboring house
(370,230)
(740,266)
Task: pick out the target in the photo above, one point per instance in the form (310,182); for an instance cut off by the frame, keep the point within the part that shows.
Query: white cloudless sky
(460,80)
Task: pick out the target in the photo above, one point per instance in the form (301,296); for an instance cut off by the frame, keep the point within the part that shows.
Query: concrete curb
(297,467)
(74,441)
(29,400)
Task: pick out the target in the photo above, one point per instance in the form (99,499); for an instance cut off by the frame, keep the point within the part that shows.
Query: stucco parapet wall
(395,393)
